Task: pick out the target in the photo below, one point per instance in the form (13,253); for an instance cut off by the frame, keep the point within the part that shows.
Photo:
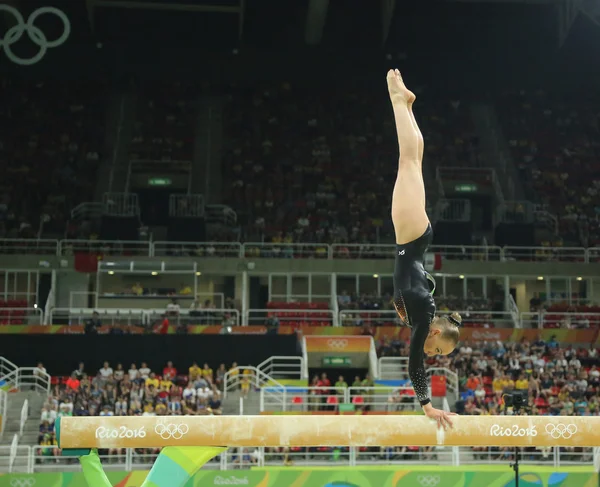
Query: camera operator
(93,324)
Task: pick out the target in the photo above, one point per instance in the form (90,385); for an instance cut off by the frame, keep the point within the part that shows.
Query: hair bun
(456,319)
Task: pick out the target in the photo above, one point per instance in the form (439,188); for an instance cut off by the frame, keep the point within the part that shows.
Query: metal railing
(132,316)
(285,316)
(29,378)
(24,415)
(6,368)
(396,368)
(301,399)
(3,410)
(257,379)
(108,248)
(197,249)
(482,319)
(14,444)
(47,459)
(550,319)
(282,367)
(546,254)
(117,248)
(21,316)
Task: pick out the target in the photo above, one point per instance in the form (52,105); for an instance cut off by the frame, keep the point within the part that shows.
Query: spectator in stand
(133,373)
(220,376)
(163,327)
(207,373)
(106,372)
(194,372)
(73,382)
(79,372)
(144,371)
(92,325)
(169,372)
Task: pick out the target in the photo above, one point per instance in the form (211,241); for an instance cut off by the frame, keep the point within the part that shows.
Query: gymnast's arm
(416,366)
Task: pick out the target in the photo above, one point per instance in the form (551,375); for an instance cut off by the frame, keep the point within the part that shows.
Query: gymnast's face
(435,344)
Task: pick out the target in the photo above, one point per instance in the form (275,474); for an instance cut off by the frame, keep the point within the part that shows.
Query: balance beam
(344,430)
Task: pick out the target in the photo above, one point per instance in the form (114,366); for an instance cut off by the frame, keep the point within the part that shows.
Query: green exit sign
(465,188)
(159,182)
(337,361)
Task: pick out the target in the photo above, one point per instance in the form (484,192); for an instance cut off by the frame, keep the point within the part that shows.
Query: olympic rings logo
(560,430)
(22,482)
(338,344)
(15,33)
(428,480)
(171,431)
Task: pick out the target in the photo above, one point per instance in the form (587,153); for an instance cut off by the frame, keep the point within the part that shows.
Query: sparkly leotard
(413,289)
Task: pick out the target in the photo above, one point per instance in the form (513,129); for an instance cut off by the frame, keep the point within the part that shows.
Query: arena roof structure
(318,13)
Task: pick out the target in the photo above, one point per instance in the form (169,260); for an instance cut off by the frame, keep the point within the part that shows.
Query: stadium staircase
(23,392)
(393,371)
(274,375)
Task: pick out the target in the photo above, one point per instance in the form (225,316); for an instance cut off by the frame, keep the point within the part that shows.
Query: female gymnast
(413,286)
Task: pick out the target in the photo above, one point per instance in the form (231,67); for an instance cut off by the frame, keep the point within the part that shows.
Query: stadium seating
(552,137)
(51,138)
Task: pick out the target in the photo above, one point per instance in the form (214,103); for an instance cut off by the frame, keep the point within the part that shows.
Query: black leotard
(413,289)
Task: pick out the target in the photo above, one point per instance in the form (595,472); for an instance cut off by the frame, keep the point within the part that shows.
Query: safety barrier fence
(293,317)
(396,368)
(132,316)
(304,399)
(292,250)
(46,459)
(475,319)
(24,378)
(21,316)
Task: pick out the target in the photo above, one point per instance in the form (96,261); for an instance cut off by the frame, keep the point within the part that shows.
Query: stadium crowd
(552,379)
(137,391)
(554,141)
(316,164)
(302,164)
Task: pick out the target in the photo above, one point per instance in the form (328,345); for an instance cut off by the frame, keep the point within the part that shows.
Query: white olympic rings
(174,431)
(340,344)
(428,480)
(560,430)
(22,482)
(15,33)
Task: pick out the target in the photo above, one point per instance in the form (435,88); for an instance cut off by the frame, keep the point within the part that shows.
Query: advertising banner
(342,477)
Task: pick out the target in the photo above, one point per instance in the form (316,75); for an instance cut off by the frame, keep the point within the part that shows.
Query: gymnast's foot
(399,93)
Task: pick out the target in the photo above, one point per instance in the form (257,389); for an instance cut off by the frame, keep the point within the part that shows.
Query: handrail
(257,377)
(286,315)
(24,416)
(292,250)
(29,378)
(3,410)
(273,369)
(557,319)
(31,316)
(6,367)
(500,319)
(137,316)
(373,362)
(13,452)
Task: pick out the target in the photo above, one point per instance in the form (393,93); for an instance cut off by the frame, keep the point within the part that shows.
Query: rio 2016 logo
(103,433)
(513,431)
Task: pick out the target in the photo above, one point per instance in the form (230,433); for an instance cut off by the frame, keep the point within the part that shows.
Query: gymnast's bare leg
(408,200)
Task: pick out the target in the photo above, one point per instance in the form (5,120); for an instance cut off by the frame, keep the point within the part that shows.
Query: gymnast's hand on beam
(442,417)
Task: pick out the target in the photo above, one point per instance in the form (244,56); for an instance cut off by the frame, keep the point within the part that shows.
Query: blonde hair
(449,326)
